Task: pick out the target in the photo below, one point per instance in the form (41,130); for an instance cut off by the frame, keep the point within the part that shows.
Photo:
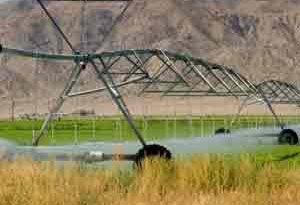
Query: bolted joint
(82,65)
(77,52)
(85,59)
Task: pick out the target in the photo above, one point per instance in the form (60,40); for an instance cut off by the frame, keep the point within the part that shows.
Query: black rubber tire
(222,130)
(288,136)
(153,150)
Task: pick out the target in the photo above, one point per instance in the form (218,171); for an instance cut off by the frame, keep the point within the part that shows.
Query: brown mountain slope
(260,38)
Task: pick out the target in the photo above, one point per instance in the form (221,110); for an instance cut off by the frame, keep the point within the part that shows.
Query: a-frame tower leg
(59,102)
(117,98)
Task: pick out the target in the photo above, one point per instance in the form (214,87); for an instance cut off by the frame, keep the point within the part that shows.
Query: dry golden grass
(199,180)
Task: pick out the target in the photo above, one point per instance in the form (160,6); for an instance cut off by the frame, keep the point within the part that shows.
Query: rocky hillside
(260,38)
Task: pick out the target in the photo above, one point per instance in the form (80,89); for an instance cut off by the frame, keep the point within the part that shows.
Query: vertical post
(167,119)
(76,134)
(145,126)
(94,129)
(143,118)
(202,128)
(48,105)
(33,133)
(115,127)
(143,123)
(36,87)
(120,129)
(213,124)
(191,127)
(167,125)
(256,122)
(190,118)
(52,133)
(13,104)
(175,125)
(248,121)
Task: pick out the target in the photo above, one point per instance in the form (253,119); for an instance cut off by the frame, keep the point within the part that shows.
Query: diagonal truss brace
(117,98)
(110,86)
(59,102)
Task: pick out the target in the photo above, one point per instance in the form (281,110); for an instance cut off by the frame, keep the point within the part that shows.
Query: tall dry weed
(206,179)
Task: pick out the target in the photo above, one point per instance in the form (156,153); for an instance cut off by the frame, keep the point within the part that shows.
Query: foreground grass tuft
(208,179)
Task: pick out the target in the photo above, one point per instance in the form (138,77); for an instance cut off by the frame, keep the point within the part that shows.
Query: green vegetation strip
(68,131)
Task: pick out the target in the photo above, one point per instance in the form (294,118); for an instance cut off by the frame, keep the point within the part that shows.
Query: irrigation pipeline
(92,56)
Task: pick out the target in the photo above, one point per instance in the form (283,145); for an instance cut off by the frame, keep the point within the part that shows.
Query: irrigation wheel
(149,151)
(288,136)
(222,130)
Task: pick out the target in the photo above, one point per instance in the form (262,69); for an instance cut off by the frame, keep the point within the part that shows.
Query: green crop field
(68,131)
(78,130)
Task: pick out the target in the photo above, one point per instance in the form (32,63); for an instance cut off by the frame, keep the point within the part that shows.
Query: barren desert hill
(259,38)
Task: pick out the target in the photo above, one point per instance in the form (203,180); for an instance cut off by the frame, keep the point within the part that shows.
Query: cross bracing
(279,92)
(167,74)
(272,92)
(158,71)
(176,74)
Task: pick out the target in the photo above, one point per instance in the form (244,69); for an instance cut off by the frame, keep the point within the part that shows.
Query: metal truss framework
(167,74)
(279,92)
(158,71)
(272,92)
(155,71)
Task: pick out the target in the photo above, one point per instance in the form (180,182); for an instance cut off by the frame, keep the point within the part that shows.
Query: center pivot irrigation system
(158,72)
(275,92)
